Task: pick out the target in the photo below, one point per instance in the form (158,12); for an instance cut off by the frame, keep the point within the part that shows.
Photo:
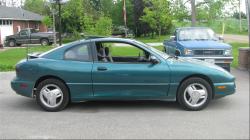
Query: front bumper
(5,43)
(217,60)
(21,87)
(228,89)
(223,62)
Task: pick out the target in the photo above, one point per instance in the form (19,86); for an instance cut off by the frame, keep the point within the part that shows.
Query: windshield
(196,34)
(162,54)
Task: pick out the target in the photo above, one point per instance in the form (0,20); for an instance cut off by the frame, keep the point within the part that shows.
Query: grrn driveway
(226,118)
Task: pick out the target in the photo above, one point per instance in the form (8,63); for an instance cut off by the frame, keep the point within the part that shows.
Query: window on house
(1,22)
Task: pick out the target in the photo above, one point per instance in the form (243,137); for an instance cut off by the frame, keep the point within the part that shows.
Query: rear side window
(78,53)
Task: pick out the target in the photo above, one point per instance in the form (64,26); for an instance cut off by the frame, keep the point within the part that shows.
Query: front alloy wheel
(52,95)
(194,94)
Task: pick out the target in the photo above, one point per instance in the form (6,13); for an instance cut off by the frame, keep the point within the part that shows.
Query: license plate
(212,61)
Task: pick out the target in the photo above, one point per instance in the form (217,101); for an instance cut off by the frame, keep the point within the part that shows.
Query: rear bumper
(21,87)
(230,88)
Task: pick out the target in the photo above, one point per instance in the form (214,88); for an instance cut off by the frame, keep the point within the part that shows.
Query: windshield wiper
(171,56)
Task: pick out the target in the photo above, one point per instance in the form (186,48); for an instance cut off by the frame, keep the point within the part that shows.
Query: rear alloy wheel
(194,94)
(52,95)
(44,42)
(12,43)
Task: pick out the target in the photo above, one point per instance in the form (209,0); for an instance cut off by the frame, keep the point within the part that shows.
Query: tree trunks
(193,12)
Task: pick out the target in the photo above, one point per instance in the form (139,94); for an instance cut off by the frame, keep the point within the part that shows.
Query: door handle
(102,68)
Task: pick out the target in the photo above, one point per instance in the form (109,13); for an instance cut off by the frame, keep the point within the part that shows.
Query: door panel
(130,80)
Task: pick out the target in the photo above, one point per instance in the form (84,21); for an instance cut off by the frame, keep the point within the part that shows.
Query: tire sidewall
(12,41)
(185,84)
(64,90)
(44,40)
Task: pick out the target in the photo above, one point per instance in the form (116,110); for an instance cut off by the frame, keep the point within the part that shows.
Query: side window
(78,53)
(23,33)
(121,52)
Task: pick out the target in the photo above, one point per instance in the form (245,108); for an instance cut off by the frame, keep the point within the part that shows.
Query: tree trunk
(193,12)
(159,31)
(240,16)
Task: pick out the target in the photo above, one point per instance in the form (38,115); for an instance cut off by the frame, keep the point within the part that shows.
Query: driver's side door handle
(102,69)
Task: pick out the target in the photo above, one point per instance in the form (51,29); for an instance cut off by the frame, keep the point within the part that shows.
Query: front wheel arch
(198,76)
(49,77)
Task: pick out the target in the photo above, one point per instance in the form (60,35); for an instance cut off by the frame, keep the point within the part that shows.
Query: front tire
(52,95)
(12,43)
(194,94)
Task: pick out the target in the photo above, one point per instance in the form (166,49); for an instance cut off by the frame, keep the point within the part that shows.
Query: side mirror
(172,38)
(154,60)
(177,53)
(221,38)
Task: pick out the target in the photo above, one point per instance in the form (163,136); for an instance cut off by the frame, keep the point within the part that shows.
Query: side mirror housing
(221,38)
(154,60)
(172,38)
(177,53)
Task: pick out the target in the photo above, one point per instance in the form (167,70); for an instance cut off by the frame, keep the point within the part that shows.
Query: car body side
(79,76)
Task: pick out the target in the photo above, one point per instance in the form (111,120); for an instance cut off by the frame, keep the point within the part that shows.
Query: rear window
(78,53)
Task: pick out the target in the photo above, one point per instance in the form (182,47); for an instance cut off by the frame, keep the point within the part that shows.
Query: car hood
(209,44)
(196,64)
(183,67)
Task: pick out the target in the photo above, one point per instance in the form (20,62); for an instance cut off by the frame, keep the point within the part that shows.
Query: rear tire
(194,94)
(44,42)
(52,95)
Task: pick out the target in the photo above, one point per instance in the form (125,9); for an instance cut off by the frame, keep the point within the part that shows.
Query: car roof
(115,39)
(183,28)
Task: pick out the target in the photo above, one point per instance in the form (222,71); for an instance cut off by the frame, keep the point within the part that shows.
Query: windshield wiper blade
(170,57)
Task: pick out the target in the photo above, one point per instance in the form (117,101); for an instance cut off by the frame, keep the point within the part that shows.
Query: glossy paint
(119,81)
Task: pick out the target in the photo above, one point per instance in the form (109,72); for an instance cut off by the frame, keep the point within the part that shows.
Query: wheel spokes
(51,95)
(195,94)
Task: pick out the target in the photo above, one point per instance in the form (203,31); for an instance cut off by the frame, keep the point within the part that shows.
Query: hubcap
(195,95)
(12,43)
(51,96)
(44,42)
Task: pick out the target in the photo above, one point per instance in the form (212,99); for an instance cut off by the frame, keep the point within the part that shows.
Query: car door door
(23,37)
(172,46)
(126,80)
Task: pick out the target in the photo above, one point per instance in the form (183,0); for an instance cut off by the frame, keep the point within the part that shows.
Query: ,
(97,69)
(200,43)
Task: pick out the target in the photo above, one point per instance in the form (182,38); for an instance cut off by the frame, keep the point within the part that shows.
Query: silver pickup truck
(29,36)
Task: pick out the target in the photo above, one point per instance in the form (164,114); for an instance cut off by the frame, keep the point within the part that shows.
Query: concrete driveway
(226,118)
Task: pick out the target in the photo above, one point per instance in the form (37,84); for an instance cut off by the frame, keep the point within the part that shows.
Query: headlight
(188,52)
(228,52)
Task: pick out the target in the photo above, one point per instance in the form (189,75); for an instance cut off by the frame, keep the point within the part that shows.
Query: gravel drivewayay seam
(226,118)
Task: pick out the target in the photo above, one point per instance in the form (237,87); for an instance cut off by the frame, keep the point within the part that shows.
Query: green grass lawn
(236,47)
(9,58)
(153,40)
